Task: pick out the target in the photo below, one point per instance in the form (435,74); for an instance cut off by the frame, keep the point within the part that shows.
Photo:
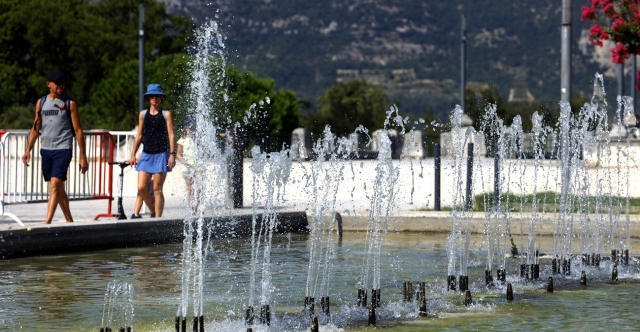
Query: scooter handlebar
(122,164)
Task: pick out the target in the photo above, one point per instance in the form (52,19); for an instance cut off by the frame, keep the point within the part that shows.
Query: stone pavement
(32,215)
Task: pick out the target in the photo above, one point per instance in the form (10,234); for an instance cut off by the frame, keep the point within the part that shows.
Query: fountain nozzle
(509,292)
(467,298)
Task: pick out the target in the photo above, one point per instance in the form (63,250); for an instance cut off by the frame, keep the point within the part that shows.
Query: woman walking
(155,129)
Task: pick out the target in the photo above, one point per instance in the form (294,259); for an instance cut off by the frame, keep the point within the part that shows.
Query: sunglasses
(155,96)
(59,82)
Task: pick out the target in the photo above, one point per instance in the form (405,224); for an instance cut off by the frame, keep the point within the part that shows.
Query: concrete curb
(86,236)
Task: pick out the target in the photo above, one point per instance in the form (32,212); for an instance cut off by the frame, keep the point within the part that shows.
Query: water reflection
(43,293)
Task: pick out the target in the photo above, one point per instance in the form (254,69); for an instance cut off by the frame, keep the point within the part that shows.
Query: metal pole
(469,202)
(565,63)
(436,177)
(632,88)
(141,59)
(235,167)
(496,179)
(621,87)
(621,79)
(463,63)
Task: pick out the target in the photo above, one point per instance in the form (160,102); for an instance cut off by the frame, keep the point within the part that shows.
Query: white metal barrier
(20,184)
(123,141)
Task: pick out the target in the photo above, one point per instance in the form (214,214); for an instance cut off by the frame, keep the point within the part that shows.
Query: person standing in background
(57,121)
(193,171)
(155,127)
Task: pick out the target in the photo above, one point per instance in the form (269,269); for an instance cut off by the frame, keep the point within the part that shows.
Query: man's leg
(57,196)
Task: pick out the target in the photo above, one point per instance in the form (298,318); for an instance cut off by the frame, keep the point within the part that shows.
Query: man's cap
(56,76)
(154,90)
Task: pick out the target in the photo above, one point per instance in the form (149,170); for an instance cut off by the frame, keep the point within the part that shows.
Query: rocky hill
(411,48)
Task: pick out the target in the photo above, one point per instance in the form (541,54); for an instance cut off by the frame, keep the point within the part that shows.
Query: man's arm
(75,119)
(33,135)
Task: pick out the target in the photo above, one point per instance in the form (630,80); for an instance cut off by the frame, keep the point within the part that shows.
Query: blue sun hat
(154,89)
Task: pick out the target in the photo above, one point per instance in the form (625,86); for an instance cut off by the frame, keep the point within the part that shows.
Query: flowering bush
(615,20)
(618,21)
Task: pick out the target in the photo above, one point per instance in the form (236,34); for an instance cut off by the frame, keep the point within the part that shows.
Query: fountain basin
(39,293)
(99,235)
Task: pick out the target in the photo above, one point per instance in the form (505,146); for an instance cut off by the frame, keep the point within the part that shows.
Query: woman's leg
(143,193)
(198,190)
(158,183)
(189,182)
(138,206)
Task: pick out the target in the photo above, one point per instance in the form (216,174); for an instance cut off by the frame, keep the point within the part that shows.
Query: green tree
(264,111)
(478,101)
(114,105)
(85,39)
(17,117)
(346,106)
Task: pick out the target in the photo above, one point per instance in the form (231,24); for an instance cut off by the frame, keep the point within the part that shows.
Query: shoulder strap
(42,100)
(67,106)
(164,114)
(39,114)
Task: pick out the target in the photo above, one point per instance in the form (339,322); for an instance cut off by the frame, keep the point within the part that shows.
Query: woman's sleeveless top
(154,133)
(57,129)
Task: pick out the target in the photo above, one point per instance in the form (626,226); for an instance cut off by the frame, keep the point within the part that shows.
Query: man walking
(58,121)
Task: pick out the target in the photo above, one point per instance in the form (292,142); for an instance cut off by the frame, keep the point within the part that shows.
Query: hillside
(411,48)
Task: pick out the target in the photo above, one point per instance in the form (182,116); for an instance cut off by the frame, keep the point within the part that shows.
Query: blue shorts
(153,163)
(55,163)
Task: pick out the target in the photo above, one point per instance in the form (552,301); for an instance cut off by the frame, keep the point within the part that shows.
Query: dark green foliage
(346,106)
(114,105)
(18,117)
(87,40)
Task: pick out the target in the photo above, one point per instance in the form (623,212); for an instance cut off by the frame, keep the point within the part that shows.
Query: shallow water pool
(66,292)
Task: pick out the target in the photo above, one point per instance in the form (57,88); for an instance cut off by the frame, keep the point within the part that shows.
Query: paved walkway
(32,215)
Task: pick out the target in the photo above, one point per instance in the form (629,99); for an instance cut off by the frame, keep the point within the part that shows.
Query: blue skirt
(153,163)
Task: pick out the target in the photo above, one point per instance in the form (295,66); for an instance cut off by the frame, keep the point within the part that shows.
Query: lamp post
(565,62)
(141,59)
(463,64)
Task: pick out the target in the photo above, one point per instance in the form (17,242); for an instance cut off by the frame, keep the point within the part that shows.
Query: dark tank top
(154,133)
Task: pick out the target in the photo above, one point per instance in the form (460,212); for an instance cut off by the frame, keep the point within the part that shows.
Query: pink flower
(619,53)
(587,14)
(618,25)
(609,9)
(596,34)
(595,31)
(638,80)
